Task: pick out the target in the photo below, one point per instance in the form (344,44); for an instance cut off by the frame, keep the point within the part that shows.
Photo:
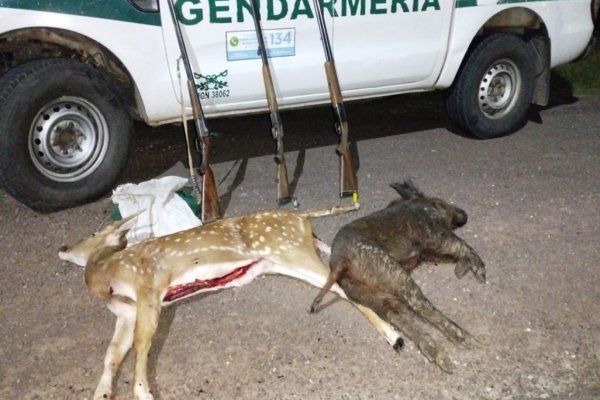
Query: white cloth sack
(161,210)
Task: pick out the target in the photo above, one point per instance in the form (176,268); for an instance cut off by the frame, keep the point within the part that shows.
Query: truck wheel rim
(68,139)
(499,89)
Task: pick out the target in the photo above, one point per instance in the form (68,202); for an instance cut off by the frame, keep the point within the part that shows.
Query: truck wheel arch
(20,46)
(520,21)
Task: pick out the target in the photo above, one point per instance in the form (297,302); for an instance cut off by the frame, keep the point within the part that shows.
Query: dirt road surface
(533,200)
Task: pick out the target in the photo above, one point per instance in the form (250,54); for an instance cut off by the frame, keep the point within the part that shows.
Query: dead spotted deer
(137,281)
(372,257)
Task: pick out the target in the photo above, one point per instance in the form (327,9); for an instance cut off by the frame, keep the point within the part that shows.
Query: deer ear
(126,223)
(120,229)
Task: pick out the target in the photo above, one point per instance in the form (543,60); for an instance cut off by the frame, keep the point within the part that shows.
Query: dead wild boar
(372,257)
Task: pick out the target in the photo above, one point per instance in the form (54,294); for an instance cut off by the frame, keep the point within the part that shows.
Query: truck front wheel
(494,89)
(64,133)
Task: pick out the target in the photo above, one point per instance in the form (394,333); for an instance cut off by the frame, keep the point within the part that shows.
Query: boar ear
(407,190)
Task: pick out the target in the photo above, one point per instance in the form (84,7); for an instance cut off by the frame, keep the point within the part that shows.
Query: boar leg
(400,316)
(467,259)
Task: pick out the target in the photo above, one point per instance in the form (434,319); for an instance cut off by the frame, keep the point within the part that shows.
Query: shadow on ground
(242,137)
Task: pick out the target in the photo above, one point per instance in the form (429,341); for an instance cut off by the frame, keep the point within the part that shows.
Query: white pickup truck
(74,73)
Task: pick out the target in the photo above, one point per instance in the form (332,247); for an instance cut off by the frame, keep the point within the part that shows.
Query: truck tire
(494,88)
(64,133)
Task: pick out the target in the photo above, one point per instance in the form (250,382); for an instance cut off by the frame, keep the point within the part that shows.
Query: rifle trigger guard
(275,133)
(338,128)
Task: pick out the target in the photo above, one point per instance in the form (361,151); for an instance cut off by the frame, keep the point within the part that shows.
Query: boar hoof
(434,354)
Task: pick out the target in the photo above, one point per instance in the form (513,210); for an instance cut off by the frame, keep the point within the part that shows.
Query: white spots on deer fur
(268,229)
(261,238)
(178,240)
(263,251)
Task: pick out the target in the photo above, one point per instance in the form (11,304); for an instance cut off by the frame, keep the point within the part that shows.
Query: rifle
(210,199)
(348,186)
(283,191)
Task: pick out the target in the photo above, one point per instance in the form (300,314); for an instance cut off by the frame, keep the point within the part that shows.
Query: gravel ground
(533,200)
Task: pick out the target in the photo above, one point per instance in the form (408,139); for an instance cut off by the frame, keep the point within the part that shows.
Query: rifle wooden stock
(211,210)
(335,93)
(196,109)
(283,189)
(269,89)
(347,177)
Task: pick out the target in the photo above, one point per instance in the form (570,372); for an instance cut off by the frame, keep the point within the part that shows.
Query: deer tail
(326,212)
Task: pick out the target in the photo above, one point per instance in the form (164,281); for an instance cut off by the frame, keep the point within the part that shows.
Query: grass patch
(583,76)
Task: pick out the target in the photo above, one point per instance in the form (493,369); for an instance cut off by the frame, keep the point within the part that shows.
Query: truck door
(396,44)
(221,39)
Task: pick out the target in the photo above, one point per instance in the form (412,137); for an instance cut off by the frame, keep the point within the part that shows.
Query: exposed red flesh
(185,289)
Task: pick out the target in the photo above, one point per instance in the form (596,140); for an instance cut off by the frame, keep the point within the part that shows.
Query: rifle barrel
(323,31)
(262,49)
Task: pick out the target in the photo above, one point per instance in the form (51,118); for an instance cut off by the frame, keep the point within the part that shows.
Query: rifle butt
(348,186)
(283,187)
(211,210)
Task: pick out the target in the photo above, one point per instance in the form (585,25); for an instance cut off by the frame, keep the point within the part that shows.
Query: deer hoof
(399,344)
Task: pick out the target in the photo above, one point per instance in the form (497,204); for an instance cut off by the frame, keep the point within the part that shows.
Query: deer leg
(148,312)
(467,258)
(383,327)
(118,347)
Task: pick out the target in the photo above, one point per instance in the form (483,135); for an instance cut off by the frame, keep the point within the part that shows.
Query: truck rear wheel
(494,89)
(64,133)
